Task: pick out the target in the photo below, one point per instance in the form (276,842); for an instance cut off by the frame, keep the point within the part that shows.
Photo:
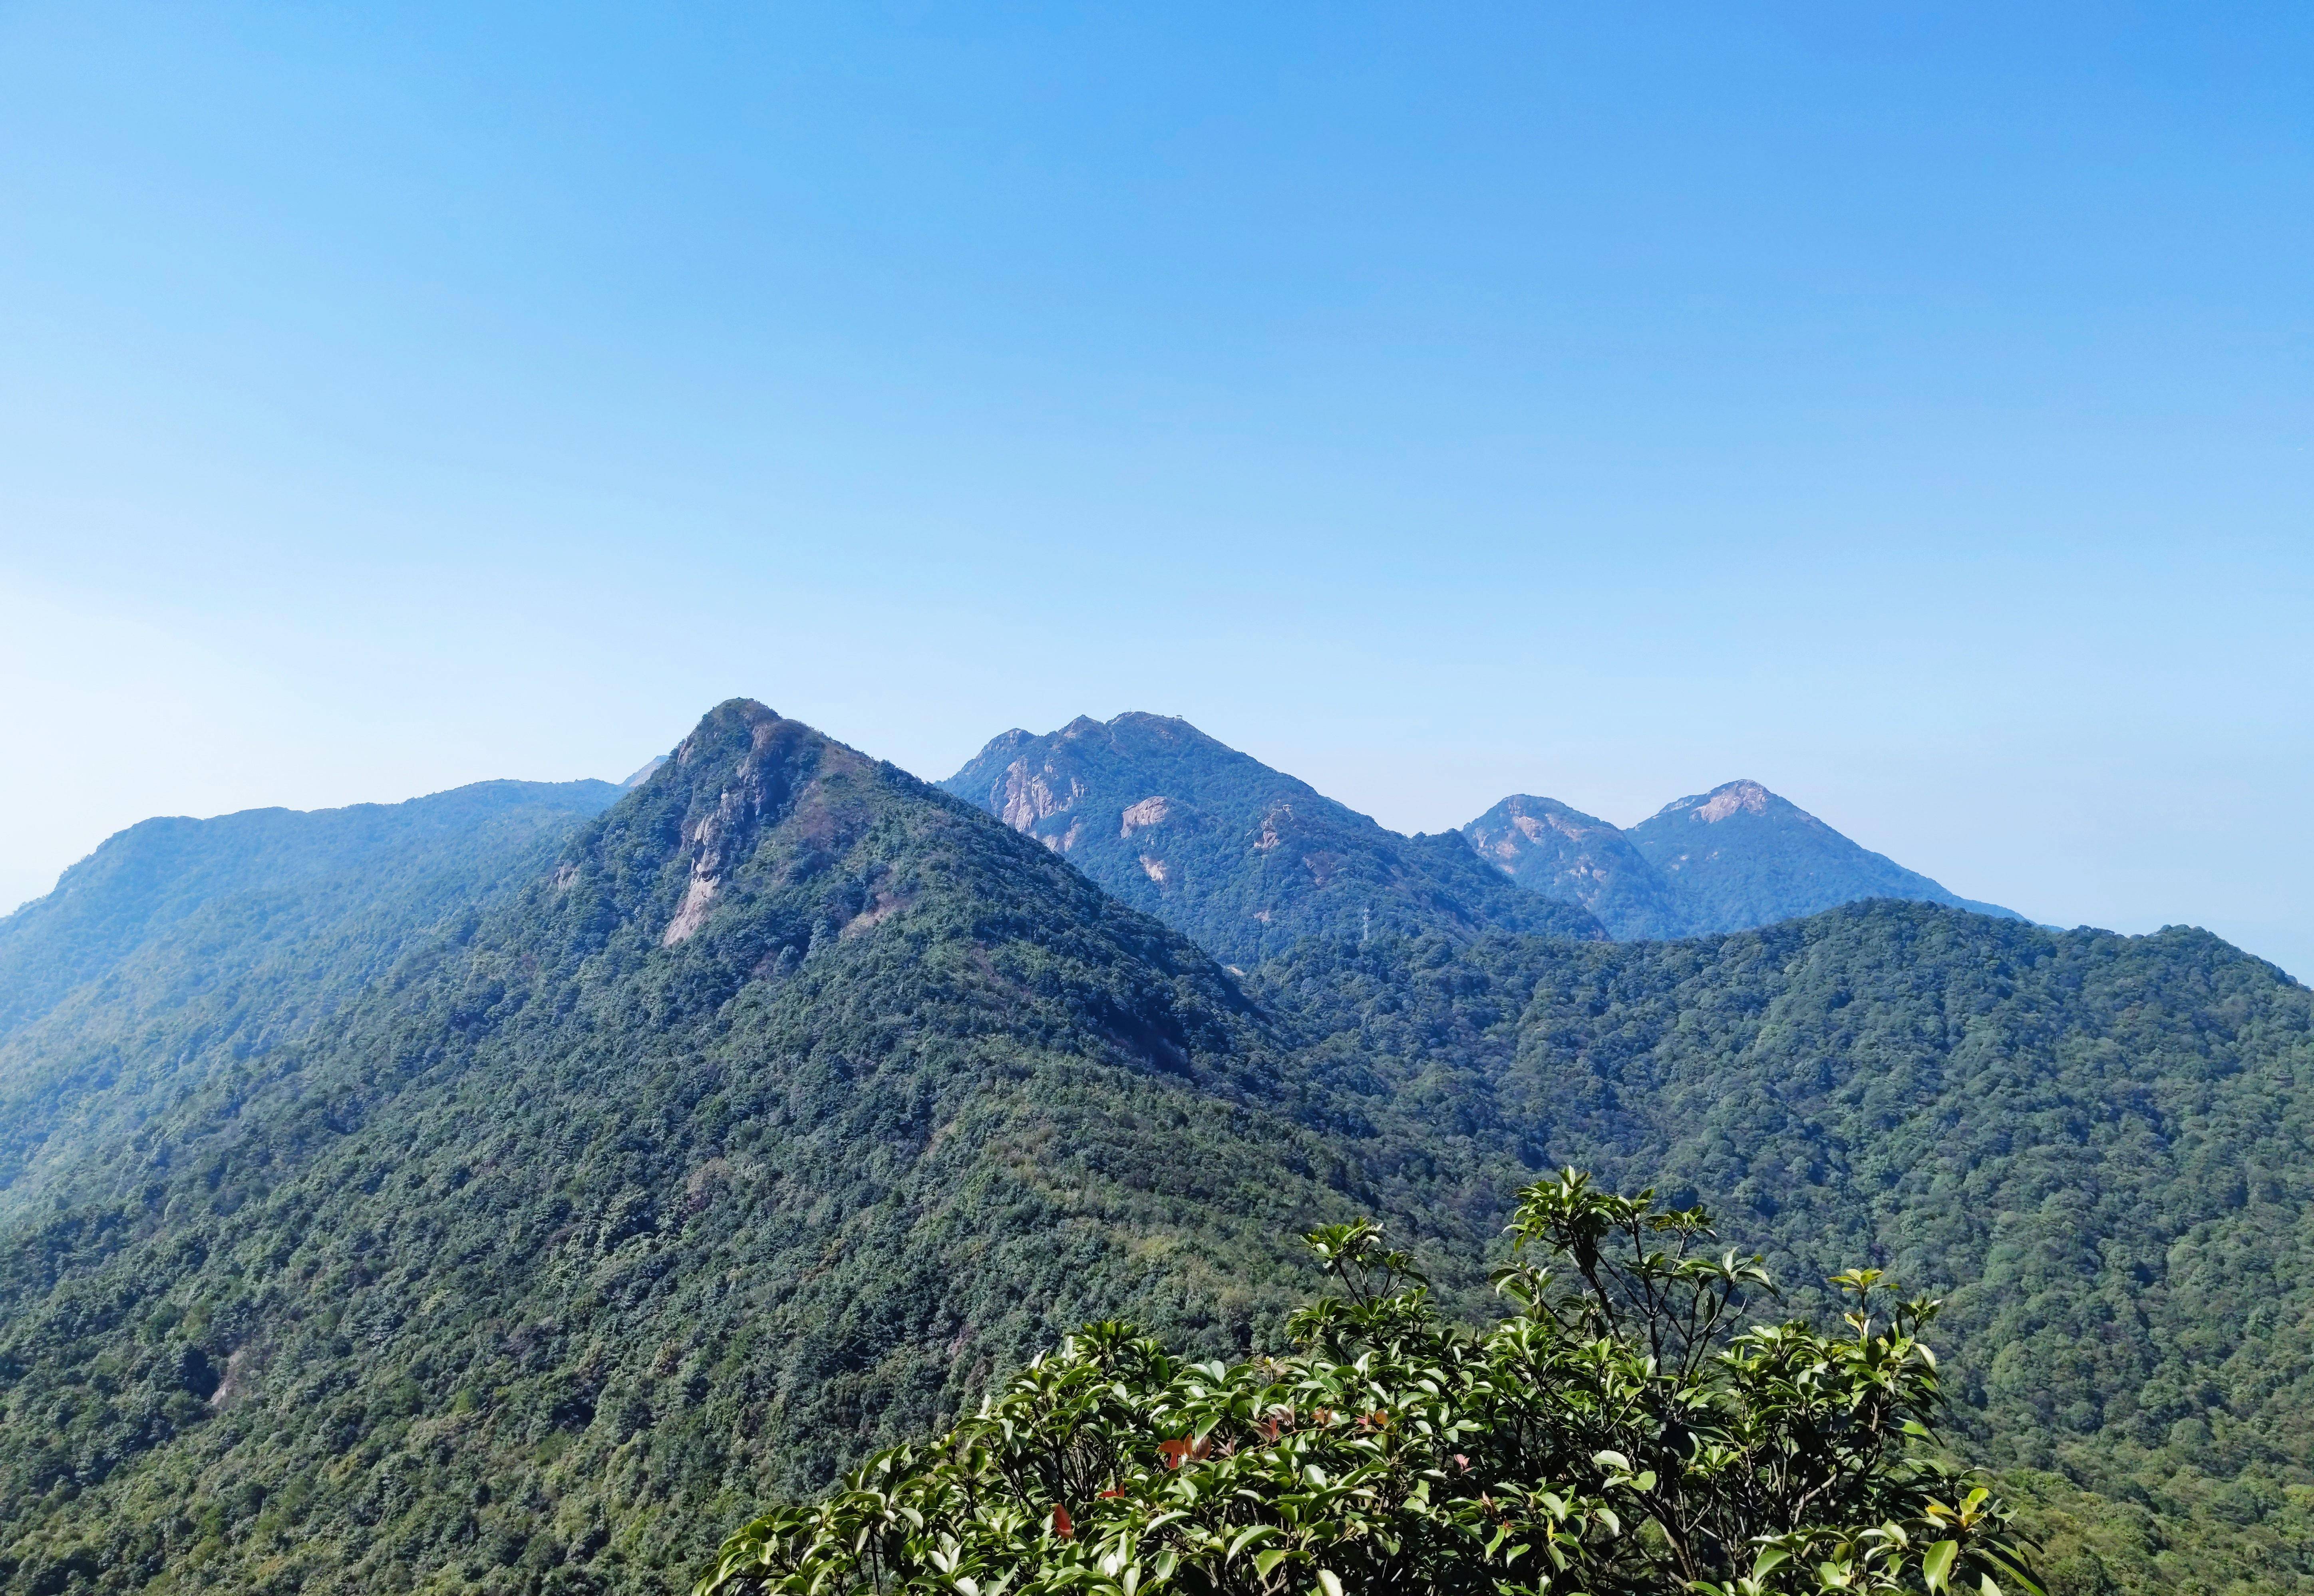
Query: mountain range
(508,1190)
(1725,860)
(1245,860)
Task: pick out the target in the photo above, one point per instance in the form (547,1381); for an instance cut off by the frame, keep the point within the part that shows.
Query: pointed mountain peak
(743,771)
(1766,858)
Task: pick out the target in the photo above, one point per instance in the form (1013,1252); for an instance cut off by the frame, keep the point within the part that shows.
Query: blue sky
(1909,410)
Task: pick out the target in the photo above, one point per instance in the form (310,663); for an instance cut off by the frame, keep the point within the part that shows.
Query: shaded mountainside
(1241,859)
(181,946)
(1729,860)
(2101,1149)
(794,1100)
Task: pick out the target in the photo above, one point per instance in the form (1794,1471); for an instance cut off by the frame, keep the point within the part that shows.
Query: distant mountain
(1728,860)
(183,946)
(305,868)
(1739,856)
(1563,854)
(1240,858)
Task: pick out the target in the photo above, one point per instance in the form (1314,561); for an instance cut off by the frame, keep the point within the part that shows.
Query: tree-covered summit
(181,946)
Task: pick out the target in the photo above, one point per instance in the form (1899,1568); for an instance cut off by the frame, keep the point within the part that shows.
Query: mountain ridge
(1242,858)
(1737,857)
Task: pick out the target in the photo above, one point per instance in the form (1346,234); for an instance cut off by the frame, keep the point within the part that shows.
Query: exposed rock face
(1149,811)
(781,773)
(1031,797)
(1239,856)
(1740,798)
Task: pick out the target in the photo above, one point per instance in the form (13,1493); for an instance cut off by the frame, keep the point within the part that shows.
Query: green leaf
(1936,1565)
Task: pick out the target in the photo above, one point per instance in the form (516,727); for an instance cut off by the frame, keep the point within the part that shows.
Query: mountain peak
(1242,858)
(747,769)
(1740,796)
(1563,854)
(1765,860)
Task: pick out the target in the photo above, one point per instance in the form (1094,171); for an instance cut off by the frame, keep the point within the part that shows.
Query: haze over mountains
(507,1190)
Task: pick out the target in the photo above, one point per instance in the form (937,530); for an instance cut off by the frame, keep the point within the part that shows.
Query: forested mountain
(787,1103)
(771,1112)
(1739,856)
(1242,858)
(308,866)
(1729,860)
(1578,858)
(181,946)
(2099,1147)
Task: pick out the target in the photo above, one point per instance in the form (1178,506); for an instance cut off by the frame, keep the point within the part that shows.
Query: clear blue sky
(1910,409)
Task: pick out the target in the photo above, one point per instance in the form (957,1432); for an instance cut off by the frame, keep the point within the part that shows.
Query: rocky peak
(746,767)
(1729,799)
(1748,797)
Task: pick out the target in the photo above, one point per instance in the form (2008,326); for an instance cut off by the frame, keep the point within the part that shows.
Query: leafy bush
(1616,1433)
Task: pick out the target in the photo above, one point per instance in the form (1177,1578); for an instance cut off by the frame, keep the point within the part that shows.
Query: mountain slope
(144,882)
(1739,856)
(2099,1148)
(794,1099)
(1240,858)
(180,945)
(770,1113)
(1563,854)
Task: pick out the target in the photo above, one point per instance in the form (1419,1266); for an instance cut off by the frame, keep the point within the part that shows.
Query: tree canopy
(1623,1429)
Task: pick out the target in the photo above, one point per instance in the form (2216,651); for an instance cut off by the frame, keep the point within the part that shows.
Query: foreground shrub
(1621,1431)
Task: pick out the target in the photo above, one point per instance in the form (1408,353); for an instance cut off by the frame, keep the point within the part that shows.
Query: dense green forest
(598,1216)
(773,1114)
(1622,1432)
(2099,1147)
(181,946)
(1243,859)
